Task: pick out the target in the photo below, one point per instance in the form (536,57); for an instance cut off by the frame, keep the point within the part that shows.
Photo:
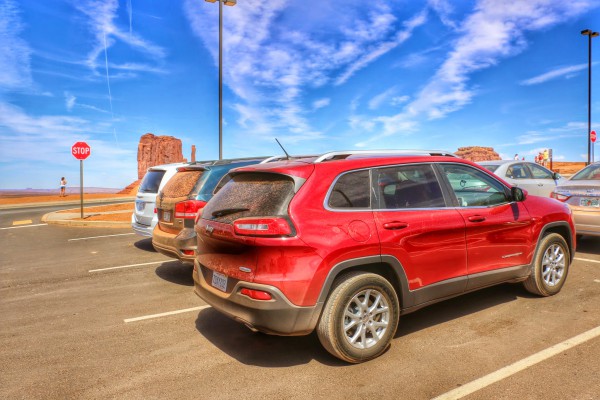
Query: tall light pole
(227,3)
(590,35)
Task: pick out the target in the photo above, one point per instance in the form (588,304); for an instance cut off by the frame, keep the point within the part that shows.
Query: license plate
(585,202)
(166,216)
(219,281)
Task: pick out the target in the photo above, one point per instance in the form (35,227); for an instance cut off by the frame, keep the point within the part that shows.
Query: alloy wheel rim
(553,265)
(366,319)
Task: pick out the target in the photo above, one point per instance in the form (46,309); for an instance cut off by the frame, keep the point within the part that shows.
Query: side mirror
(518,194)
(556,176)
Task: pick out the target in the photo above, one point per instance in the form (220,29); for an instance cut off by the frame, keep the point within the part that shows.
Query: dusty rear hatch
(176,204)
(251,206)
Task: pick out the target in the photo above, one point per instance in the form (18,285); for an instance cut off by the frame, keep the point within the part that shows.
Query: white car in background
(144,218)
(537,180)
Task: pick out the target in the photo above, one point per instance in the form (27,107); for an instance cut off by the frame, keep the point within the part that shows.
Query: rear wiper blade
(227,211)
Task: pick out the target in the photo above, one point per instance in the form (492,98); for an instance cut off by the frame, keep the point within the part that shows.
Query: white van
(144,218)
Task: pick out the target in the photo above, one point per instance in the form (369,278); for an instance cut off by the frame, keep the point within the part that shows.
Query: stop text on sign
(81,150)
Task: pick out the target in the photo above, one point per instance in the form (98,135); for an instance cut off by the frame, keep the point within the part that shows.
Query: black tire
(359,318)
(550,266)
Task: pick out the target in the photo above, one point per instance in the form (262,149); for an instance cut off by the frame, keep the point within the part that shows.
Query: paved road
(64,333)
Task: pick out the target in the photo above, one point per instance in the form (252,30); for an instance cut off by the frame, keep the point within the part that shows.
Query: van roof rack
(341,155)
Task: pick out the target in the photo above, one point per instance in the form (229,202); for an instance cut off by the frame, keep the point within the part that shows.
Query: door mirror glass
(517,194)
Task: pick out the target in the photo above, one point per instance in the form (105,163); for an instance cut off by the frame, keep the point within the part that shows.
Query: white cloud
(15,66)
(70,101)
(567,72)
(491,33)
(270,65)
(321,103)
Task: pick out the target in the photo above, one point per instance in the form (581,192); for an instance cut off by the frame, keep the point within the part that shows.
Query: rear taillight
(559,197)
(262,227)
(256,294)
(188,209)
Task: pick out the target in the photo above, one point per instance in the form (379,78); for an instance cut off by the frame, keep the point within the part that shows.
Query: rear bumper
(173,246)
(587,222)
(142,230)
(276,316)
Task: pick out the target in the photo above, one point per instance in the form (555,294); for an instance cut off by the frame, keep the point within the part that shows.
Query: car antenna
(286,153)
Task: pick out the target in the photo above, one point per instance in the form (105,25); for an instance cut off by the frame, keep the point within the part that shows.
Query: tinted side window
(540,172)
(151,181)
(408,186)
(473,188)
(518,171)
(351,190)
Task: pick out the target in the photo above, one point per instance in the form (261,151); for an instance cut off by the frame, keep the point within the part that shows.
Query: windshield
(591,172)
(251,195)
(490,167)
(151,181)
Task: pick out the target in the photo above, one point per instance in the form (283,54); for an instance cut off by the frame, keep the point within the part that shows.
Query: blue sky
(317,75)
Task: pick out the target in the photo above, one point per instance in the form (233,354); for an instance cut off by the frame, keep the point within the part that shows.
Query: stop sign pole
(81,151)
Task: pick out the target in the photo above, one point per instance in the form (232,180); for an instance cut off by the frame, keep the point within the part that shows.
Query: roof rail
(282,158)
(340,155)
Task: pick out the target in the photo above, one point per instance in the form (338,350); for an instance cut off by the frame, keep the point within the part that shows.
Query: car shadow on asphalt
(589,245)
(259,349)
(458,307)
(145,244)
(176,272)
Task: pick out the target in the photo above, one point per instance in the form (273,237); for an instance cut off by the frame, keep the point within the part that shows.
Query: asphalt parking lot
(97,313)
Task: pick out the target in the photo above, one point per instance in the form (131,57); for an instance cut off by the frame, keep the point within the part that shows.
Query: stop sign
(593,136)
(81,150)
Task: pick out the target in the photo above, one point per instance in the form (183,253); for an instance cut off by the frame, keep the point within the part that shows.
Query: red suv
(347,242)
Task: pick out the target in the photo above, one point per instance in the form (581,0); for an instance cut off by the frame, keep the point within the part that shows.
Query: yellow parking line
(23,222)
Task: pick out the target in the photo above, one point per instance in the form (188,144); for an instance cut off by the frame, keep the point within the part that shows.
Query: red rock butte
(156,150)
(476,153)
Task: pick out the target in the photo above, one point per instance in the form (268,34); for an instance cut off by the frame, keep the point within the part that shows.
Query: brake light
(559,197)
(256,294)
(188,209)
(262,227)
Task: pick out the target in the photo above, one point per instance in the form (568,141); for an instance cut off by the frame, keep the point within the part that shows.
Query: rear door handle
(395,225)
(476,218)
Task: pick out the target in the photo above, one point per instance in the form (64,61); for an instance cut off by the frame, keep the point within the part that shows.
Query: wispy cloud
(70,101)
(270,66)
(101,21)
(15,66)
(488,35)
(567,72)
(321,103)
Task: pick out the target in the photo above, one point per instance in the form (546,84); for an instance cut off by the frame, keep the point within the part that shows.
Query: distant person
(63,187)
(516,157)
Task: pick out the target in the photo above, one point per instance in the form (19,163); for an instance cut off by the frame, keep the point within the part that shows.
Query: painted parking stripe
(128,320)
(23,222)
(518,366)
(104,236)
(128,266)
(23,226)
(587,260)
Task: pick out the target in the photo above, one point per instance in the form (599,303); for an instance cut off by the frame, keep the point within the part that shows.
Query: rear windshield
(591,172)
(491,168)
(151,181)
(251,195)
(182,183)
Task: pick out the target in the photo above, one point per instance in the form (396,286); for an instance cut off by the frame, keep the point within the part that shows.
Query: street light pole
(227,3)
(590,35)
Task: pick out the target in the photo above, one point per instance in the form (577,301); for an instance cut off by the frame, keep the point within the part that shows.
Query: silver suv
(144,218)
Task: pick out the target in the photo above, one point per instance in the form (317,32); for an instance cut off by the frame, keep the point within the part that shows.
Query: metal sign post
(81,151)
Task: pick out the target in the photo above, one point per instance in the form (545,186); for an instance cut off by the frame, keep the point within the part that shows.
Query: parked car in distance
(143,218)
(581,193)
(179,201)
(536,179)
(346,242)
